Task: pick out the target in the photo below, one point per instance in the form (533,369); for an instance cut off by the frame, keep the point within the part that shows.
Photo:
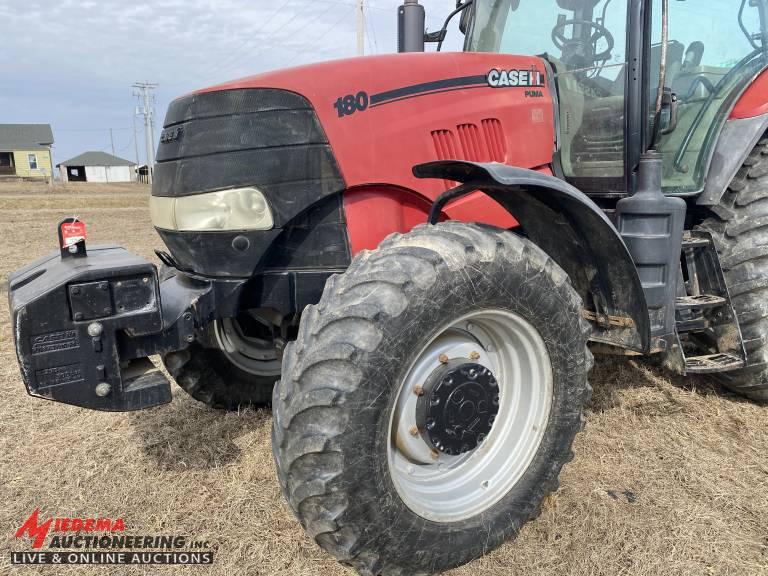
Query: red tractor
(429,247)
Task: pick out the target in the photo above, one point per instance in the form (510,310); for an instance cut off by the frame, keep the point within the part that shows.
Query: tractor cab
(606,56)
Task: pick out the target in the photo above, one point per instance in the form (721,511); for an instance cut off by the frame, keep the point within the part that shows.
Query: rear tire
(740,231)
(213,371)
(342,405)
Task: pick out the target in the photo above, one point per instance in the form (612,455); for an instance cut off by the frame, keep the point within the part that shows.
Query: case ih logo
(37,531)
(171,135)
(515,78)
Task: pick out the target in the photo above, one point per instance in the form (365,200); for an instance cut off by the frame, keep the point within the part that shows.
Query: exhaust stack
(410,27)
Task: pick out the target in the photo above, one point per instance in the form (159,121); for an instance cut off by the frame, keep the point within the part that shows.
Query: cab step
(700,302)
(691,241)
(708,338)
(712,363)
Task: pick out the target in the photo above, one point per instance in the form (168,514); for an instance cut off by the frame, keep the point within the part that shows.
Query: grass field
(670,475)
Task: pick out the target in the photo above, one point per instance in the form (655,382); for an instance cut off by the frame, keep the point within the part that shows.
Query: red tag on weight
(72,233)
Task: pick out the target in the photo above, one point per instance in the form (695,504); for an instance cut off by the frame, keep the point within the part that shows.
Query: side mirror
(465,19)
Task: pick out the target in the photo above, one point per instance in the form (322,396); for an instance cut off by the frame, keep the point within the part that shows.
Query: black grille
(226,102)
(257,130)
(267,138)
(247,137)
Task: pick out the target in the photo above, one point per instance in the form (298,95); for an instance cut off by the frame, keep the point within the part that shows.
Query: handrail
(724,81)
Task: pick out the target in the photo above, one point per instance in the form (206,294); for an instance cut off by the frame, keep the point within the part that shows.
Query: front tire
(364,470)
(232,364)
(219,369)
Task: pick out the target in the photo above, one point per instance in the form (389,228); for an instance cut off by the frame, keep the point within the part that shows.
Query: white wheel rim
(453,488)
(253,355)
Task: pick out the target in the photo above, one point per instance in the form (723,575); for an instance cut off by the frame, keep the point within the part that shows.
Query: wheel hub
(458,407)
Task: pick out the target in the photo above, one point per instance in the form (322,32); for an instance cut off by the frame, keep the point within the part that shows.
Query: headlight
(237,209)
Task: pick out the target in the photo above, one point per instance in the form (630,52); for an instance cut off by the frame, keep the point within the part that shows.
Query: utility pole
(144,93)
(136,141)
(112,141)
(152,131)
(360,17)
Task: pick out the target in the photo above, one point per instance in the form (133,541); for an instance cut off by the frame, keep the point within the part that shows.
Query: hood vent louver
(473,144)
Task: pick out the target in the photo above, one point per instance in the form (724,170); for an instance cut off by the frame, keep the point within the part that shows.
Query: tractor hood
(247,169)
(384,114)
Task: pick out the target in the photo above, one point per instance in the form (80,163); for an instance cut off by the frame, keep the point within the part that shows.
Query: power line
(130,141)
(372,35)
(299,50)
(234,55)
(89,129)
(360,26)
(294,33)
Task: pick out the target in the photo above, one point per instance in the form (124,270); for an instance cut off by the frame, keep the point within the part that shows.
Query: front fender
(573,231)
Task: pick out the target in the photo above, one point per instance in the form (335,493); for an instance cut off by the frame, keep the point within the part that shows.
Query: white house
(97,167)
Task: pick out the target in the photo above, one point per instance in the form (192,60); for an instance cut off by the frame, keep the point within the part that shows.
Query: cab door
(715,50)
(586,43)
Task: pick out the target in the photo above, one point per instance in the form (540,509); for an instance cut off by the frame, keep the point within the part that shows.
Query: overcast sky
(71,63)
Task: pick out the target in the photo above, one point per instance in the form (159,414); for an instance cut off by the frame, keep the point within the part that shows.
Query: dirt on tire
(740,232)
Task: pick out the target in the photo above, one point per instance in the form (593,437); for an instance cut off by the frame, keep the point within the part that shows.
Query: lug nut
(435,454)
(95,329)
(443,358)
(474,355)
(414,430)
(103,389)
(419,391)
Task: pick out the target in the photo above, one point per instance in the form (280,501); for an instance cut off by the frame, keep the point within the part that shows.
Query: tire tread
(739,228)
(376,283)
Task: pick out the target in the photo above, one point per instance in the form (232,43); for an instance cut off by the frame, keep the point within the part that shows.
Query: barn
(97,167)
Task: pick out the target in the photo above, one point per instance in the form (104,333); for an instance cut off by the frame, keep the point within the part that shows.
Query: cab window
(585,41)
(714,50)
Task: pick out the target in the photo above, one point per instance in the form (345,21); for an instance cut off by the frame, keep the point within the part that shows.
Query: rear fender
(736,142)
(747,124)
(573,231)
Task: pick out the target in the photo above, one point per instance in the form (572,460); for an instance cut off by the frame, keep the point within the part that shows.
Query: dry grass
(670,477)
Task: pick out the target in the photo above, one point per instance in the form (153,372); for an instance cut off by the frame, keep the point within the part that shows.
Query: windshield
(578,33)
(585,42)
